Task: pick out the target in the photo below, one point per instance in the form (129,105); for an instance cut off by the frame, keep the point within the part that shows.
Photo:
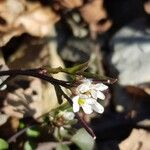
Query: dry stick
(14,137)
(83,123)
(35,73)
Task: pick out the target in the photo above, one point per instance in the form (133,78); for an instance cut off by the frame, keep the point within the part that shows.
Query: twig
(38,73)
(14,137)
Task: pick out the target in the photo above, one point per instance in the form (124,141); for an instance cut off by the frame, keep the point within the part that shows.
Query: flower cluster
(87,94)
(62,123)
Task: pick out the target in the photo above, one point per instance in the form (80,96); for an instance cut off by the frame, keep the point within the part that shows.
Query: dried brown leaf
(147,7)
(138,140)
(30,101)
(17,17)
(38,97)
(70,4)
(37,22)
(93,11)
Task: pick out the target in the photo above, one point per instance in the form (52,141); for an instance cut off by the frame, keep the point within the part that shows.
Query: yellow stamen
(81,101)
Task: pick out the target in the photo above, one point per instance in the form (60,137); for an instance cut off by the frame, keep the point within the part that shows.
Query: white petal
(87,81)
(97,107)
(75,99)
(83,96)
(87,109)
(94,94)
(89,100)
(100,87)
(69,115)
(75,107)
(82,88)
(100,95)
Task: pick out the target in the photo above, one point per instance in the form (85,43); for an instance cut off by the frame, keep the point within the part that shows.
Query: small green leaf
(83,140)
(21,125)
(3,144)
(62,147)
(32,132)
(76,68)
(29,145)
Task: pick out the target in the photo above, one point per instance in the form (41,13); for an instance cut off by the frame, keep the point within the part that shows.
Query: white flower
(93,90)
(86,103)
(68,115)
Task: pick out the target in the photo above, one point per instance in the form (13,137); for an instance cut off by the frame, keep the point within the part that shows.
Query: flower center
(81,101)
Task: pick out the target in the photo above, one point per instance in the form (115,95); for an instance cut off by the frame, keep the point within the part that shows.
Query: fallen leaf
(70,4)
(17,17)
(138,140)
(147,7)
(32,97)
(37,22)
(93,11)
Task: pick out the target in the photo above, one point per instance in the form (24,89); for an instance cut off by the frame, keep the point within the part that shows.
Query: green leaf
(21,125)
(3,144)
(83,140)
(29,145)
(32,132)
(62,147)
(76,68)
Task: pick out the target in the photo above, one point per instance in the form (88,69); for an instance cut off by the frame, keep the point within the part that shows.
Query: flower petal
(89,101)
(75,99)
(82,88)
(76,107)
(100,95)
(87,81)
(97,107)
(83,96)
(68,115)
(94,94)
(87,109)
(100,87)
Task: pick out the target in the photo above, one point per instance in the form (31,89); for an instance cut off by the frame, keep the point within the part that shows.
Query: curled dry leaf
(3,119)
(9,11)
(17,17)
(138,140)
(6,36)
(37,97)
(19,103)
(38,22)
(147,7)
(70,4)
(93,12)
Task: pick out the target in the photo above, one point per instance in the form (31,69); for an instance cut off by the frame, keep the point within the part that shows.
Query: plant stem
(38,73)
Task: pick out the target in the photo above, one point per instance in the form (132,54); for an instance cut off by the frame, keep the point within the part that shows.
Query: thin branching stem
(14,137)
(38,73)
